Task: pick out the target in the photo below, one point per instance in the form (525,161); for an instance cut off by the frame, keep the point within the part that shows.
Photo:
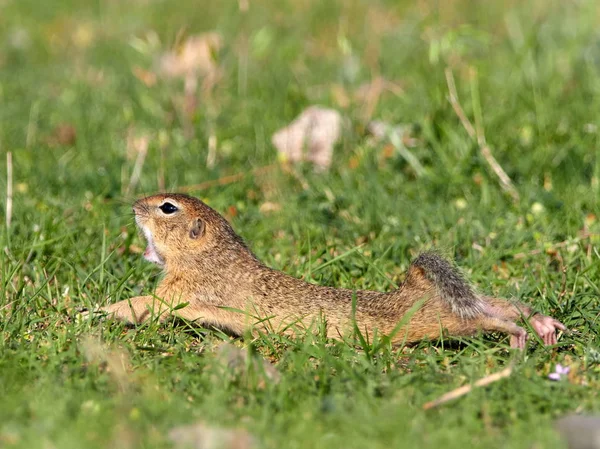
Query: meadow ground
(83,105)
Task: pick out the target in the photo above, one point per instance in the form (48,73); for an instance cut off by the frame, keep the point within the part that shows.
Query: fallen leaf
(145,76)
(501,270)
(310,137)
(232,211)
(268,207)
(354,162)
(388,151)
(204,436)
(195,57)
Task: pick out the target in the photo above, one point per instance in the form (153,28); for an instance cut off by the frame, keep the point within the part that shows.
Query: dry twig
(456,105)
(141,146)
(461,391)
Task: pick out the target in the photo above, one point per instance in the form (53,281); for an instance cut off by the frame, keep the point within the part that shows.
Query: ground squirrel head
(180,229)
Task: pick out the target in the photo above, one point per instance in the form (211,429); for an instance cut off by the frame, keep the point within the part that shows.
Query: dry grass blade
(211,158)
(461,391)
(456,104)
(141,148)
(505,181)
(9,188)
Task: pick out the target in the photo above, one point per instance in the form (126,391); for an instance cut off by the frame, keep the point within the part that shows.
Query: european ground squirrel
(212,277)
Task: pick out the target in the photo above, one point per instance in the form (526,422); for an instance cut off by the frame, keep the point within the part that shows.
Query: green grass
(527,73)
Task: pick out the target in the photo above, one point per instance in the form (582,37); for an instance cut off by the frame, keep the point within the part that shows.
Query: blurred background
(340,138)
(208,83)
(449,122)
(452,121)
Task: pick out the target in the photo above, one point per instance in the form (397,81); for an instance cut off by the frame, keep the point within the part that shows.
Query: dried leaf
(204,436)
(268,207)
(194,58)
(145,76)
(310,137)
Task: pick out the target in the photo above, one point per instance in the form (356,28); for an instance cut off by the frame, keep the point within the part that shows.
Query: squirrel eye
(167,208)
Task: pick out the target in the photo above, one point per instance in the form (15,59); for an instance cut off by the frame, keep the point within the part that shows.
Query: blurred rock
(204,436)
(580,432)
(310,137)
(19,38)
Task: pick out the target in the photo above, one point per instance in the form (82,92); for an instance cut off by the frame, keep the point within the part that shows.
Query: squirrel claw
(546,328)
(519,339)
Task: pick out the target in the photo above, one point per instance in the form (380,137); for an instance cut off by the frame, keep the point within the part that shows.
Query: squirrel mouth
(151,255)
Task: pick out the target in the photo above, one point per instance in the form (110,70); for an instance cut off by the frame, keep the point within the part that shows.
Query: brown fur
(209,267)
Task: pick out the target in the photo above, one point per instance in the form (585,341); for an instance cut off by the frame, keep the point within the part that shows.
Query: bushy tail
(451,285)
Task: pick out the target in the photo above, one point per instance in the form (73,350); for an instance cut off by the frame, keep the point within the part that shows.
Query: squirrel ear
(197,229)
